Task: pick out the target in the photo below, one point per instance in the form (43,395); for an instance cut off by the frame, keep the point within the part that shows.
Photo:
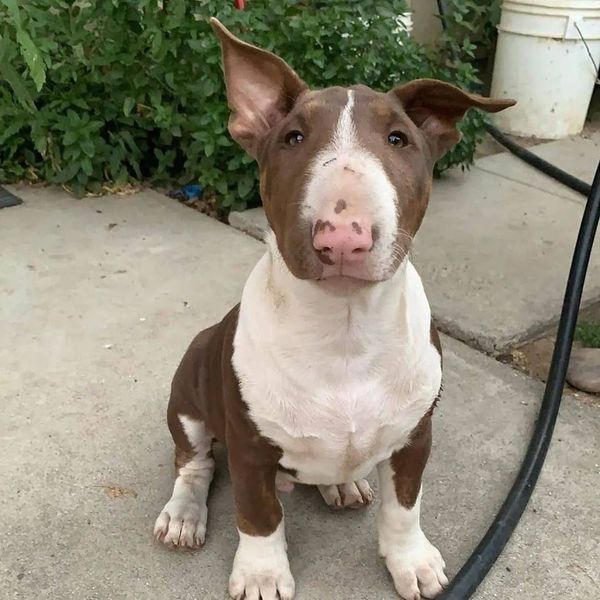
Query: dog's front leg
(415,564)
(260,567)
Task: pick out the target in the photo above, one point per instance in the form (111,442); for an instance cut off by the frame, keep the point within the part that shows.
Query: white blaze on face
(346,169)
(345,136)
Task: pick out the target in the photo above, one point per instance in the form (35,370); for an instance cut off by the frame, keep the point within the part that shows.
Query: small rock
(584,370)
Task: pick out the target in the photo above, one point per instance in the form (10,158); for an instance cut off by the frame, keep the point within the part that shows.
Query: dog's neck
(312,300)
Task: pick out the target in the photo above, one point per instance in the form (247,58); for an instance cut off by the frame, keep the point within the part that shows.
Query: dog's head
(345,173)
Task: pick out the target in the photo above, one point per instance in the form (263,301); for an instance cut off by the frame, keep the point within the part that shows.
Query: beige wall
(426,24)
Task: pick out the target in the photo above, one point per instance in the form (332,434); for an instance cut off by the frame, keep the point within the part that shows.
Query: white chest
(338,433)
(337,386)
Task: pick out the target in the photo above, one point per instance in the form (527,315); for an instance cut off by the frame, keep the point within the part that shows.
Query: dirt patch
(534,357)
(115,491)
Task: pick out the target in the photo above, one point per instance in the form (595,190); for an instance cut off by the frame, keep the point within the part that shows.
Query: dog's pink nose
(340,241)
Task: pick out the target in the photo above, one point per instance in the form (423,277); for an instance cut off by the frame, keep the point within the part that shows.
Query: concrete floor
(98,300)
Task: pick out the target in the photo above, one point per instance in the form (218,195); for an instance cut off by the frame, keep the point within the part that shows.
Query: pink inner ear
(255,100)
(441,132)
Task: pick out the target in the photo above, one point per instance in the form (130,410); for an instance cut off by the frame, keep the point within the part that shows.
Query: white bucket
(542,62)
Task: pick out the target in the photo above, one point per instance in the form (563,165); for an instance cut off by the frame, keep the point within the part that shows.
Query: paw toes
(331,495)
(418,571)
(260,588)
(428,582)
(161,526)
(181,527)
(236,588)
(350,495)
(253,591)
(286,589)
(367,493)
(355,494)
(406,584)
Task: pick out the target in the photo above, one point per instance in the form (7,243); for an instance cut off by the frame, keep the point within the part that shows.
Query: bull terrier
(330,366)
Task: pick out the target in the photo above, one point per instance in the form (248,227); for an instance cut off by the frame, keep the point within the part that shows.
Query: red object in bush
(239,4)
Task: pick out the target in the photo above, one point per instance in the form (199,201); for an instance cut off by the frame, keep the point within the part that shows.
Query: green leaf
(33,58)
(13,11)
(221,186)
(70,137)
(86,166)
(67,173)
(10,75)
(245,186)
(157,41)
(196,45)
(9,131)
(40,142)
(88,148)
(224,141)
(128,105)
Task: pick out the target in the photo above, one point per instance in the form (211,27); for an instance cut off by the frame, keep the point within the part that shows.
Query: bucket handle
(588,50)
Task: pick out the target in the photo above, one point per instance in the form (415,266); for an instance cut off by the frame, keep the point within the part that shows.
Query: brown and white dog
(330,366)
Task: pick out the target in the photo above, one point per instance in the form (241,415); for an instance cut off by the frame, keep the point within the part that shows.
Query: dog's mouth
(342,285)
(366,272)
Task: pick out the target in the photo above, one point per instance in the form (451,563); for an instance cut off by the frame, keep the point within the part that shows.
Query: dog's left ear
(436,107)
(261,88)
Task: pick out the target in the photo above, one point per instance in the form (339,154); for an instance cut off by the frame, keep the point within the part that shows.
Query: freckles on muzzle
(340,241)
(344,235)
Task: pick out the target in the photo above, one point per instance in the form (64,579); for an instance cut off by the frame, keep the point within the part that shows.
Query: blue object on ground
(188,192)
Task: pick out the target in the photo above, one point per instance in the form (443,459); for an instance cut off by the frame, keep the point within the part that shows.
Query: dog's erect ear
(436,107)
(261,88)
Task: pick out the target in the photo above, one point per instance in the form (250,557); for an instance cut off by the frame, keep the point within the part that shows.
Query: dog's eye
(397,138)
(293,138)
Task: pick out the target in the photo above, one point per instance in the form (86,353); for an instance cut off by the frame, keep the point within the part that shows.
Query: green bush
(124,91)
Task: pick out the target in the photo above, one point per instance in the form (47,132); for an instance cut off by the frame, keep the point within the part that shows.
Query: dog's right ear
(261,88)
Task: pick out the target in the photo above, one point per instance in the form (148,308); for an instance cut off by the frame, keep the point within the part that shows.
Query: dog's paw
(261,569)
(355,494)
(417,569)
(182,523)
(263,585)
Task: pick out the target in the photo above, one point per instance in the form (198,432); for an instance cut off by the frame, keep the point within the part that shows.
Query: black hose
(539,163)
(499,532)
(490,547)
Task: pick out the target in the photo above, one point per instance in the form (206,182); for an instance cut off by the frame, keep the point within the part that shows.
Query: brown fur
(206,388)
(409,463)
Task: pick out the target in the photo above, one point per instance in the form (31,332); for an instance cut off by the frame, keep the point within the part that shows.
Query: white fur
(416,566)
(261,568)
(182,521)
(367,187)
(345,131)
(337,382)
